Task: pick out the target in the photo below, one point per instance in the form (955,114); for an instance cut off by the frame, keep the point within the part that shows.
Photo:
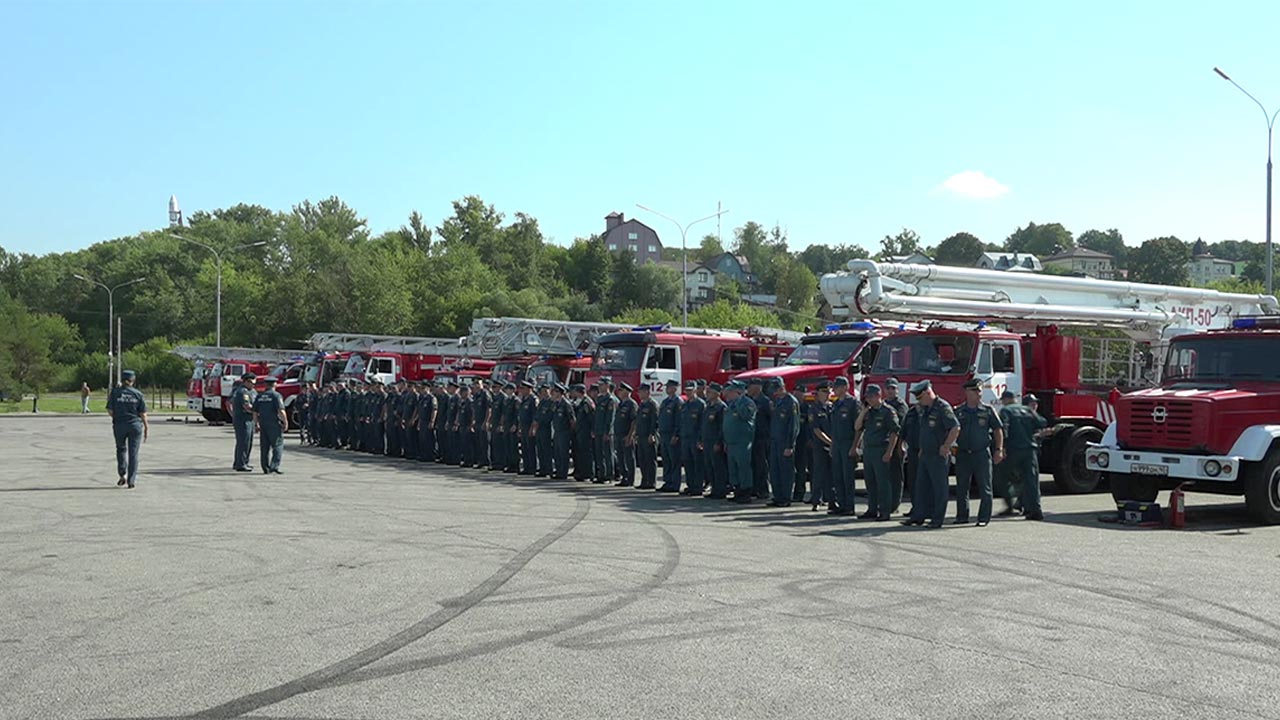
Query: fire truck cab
(841,349)
(653,355)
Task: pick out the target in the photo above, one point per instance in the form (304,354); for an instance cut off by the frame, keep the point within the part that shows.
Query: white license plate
(1144,469)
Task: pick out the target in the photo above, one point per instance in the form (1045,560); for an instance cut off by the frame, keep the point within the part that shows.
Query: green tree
(644,316)
(1238,285)
(729,316)
(1160,261)
(823,259)
(29,345)
(1110,242)
(1040,240)
(905,242)
(796,288)
(751,241)
(589,268)
(961,249)
(709,249)
(417,234)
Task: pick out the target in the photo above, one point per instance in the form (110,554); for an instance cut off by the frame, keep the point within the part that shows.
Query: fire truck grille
(1161,424)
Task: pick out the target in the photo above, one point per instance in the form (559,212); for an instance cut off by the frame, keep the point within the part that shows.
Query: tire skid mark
(330,674)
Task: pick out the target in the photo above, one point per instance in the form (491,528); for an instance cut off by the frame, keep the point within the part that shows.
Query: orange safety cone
(1177,508)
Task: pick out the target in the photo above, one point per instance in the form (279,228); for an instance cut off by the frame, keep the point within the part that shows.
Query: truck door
(861,365)
(999,368)
(383,369)
(662,363)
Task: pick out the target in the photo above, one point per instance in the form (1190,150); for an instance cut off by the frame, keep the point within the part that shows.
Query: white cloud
(974,184)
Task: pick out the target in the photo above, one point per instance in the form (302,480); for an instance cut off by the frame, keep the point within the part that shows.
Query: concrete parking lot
(354,587)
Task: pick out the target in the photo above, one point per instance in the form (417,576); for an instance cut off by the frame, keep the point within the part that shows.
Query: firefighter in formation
(743,442)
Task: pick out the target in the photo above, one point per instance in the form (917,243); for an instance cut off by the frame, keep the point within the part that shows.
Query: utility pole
(112,349)
(684,247)
(217,257)
(1271,123)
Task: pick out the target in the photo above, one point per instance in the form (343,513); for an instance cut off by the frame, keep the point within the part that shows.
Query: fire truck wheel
(1070,473)
(1134,487)
(1262,490)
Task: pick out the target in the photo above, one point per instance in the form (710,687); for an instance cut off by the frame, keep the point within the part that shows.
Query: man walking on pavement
(128,410)
(242,397)
(268,409)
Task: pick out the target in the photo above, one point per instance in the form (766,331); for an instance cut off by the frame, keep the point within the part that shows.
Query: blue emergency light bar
(651,328)
(861,325)
(1253,322)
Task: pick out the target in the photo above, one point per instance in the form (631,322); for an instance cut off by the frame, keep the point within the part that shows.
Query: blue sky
(840,121)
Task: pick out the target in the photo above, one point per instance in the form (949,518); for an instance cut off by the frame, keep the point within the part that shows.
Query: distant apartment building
(1204,268)
(623,235)
(1083,261)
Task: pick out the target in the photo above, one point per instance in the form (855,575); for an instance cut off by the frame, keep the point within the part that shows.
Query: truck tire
(1070,474)
(1141,488)
(1262,490)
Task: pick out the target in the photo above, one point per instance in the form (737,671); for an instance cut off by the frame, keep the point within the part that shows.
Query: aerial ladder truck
(216,370)
(541,351)
(1076,343)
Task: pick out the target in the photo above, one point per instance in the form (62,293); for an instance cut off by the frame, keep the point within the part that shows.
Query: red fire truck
(219,369)
(541,351)
(1213,424)
(655,354)
(1123,328)
(841,349)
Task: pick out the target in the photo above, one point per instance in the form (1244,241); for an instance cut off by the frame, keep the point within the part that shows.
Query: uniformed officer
(784,429)
(482,404)
(378,419)
(498,427)
(690,428)
(669,436)
(128,410)
(561,432)
(739,435)
(542,432)
(878,429)
(980,443)
(711,443)
(342,416)
(513,429)
(426,418)
(624,435)
(268,410)
(392,423)
(602,432)
(844,413)
(409,418)
(803,456)
(304,413)
(897,472)
(1023,425)
(242,396)
(938,429)
(528,442)
(466,427)
(820,490)
(646,435)
(584,413)
(760,444)
(1000,475)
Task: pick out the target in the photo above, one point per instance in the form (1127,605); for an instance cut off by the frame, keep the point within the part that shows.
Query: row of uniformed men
(749,439)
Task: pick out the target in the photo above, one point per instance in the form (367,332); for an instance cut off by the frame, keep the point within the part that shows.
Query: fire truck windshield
(925,355)
(355,366)
(543,375)
(1224,358)
(618,357)
(824,352)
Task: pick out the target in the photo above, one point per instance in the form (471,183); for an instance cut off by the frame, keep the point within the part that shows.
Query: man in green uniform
(760,444)
(646,435)
(784,429)
(937,432)
(690,429)
(896,469)
(820,490)
(561,432)
(1022,426)
(584,413)
(844,413)
(268,410)
(624,435)
(878,430)
(711,443)
(739,434)
(242,396)
(128,410)
(980,443)
(602,433)
(669,436)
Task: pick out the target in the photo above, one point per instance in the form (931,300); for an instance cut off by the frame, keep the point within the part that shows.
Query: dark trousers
(546,452)
(820,490)
(842,475)
(626,467)
(718,469)
(560,455)
(244,442)
(480,456)
(128,442)
(647,462)
(692,456)
(670,461)
(782,473)
(271,445)
(760,466)
(584,461)
(529,453)
(605,458)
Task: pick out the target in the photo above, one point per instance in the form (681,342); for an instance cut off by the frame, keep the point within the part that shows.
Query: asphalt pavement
(359,587)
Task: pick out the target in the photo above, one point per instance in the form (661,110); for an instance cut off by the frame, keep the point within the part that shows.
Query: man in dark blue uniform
(268,410)
(624,435)
(647,439)
(760,445)
(784,428)
(528,443)
(711,443)
(820,491)
(690,430)
(543,434)
(242,396)
(844,414)
(980,443)
(669,436)
(584,414)
(561,431)
(938,429)
(602,433)
(128,410)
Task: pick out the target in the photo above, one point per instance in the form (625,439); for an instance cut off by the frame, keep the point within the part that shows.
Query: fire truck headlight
(1102,459)
(1212,468)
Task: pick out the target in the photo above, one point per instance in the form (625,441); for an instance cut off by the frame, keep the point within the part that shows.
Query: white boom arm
(507,337)
(209,352)
(935,292)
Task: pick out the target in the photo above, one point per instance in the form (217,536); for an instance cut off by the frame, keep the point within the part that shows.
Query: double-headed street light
(684,248)
(113,372)
(217,256)
(1271,123)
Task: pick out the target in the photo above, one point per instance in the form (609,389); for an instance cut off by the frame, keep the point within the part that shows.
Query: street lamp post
(684,248)
(217,256)
(112,350)
(1271,123)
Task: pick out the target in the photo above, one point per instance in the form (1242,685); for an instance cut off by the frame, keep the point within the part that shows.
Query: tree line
(318,267)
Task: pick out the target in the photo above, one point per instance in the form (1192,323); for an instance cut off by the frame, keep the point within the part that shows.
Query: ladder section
(209,352)
(509,337)
(355,342)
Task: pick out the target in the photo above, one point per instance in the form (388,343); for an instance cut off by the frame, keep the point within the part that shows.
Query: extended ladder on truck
(209,352)
(1075,375)
(354,342)
(504,337)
